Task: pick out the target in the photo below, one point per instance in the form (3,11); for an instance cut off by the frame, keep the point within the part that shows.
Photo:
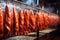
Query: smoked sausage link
(1,23)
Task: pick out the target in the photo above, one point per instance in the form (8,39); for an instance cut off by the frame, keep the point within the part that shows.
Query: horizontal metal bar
(34,7)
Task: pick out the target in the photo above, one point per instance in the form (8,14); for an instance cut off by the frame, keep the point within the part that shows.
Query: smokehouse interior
(29,19)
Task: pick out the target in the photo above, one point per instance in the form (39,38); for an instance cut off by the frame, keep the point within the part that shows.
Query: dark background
(48,3)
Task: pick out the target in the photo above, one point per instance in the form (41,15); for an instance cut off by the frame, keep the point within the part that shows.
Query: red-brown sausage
(8,18)
(37,20)
(7,21)
(46,20)
(21,22)
(54,19)
(15,21)
(26,18)
(1,23)
(41,21)
(32,20)
(26,21)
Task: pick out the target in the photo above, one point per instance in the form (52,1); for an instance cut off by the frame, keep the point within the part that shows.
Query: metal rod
(38,22)
(33,7)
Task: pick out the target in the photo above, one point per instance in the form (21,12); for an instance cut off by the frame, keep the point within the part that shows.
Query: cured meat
(8,18)
(53,20)
(21,22)
(41,21)
(1,23)
(46,20)
(37,20)
(26,18)
(7,21)
(15,22)
(59,20)
(32,20)
(26,21)
(56,20)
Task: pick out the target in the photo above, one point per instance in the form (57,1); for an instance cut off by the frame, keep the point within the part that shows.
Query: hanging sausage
(46,20)
(15,22)
(37,20)
(21,22)
(1,23)
(7,21)
(41,21)
(26,21)
(32,20)
(53,20)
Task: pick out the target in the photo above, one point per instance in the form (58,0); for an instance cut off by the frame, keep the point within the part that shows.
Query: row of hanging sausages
(21,23)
